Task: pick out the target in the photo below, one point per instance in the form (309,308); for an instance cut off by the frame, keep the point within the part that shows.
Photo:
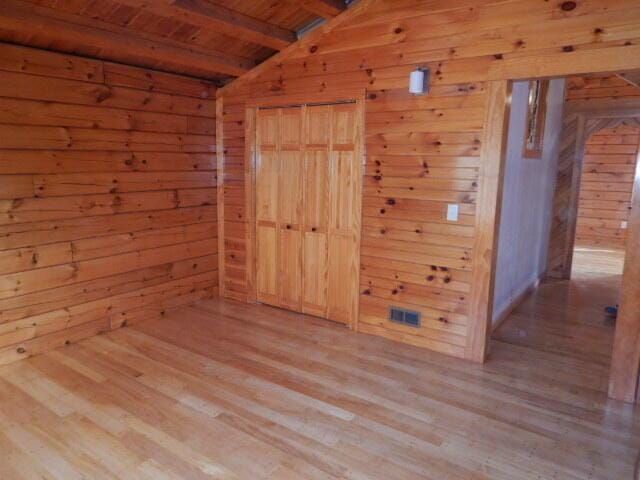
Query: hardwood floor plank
(221,389)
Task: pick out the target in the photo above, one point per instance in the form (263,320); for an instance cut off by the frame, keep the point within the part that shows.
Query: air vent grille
(405,317)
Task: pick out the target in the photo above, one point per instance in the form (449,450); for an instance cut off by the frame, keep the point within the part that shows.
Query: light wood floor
(588,261)
(226,390)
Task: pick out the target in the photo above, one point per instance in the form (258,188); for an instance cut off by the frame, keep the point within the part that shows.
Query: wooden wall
(590,98)
(107,197)
(609,165)
(606,187)
(583,88)
(422,152)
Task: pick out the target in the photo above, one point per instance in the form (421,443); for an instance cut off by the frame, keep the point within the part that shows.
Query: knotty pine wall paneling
(593,103)
(606,187)
(422,152)
(107,197)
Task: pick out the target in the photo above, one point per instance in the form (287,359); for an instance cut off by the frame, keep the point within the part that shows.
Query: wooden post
(625,363)
(492,162)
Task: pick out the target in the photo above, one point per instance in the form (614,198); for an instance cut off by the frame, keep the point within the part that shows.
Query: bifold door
(308,184)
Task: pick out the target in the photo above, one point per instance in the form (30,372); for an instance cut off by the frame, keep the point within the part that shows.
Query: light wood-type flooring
(228,390)
(589,261)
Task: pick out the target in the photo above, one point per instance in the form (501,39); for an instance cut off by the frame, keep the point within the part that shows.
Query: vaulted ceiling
(213,39)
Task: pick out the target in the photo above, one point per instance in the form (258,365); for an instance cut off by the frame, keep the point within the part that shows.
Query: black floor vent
(406,317)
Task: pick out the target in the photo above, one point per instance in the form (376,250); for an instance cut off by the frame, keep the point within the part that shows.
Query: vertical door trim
(220,194)
(488,212)
(625,362)
(250,133)
(250,183)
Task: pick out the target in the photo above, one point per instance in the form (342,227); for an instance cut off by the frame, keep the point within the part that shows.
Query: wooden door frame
(625,366)
(251,109)
(493,156)
(589,116)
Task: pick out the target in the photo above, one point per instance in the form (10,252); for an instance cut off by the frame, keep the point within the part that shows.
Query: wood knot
(391,201)
(20,350)
(313,49)
(567,48)
(568,6)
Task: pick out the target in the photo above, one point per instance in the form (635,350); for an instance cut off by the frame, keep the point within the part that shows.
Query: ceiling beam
(206,15)
(632,78)
(232,23)
(29,19)
(324,8)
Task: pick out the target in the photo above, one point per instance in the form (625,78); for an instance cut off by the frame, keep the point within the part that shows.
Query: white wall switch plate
(452,212)
(624,224)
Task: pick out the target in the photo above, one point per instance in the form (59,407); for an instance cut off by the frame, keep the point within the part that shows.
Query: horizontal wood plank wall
(606,86)
(422,152)
(583,93)
(606,187)
(107,197)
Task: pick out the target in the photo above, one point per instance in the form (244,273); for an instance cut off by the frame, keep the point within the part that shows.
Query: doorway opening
(571,165)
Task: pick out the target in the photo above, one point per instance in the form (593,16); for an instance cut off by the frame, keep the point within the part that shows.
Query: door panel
(344,217)
(318,126)
(291,192)
(342,202)
(291,128)
(307,210)
(267,175)
(315,273)
(266,265)
(343,271)
(266,191)
(316,196)
(290,268)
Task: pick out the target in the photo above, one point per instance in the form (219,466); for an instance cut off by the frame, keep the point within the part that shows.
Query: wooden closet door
(316,210)
(290,207)
(344,215)
(266,191)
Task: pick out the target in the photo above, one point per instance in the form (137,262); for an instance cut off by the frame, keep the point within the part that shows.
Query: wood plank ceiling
(214,40)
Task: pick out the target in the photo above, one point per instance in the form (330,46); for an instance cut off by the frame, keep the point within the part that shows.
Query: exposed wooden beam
(302,44)
(209,16)
(28,19)
(235,24)
(324,8)
(632,78)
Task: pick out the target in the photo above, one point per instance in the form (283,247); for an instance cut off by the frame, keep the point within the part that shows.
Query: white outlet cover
(452,212)
(624,224)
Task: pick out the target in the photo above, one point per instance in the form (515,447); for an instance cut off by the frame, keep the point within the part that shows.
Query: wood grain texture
(625,365)
(422,152)
(194,394)
(194,37)
(594,102)
(606,186)
(308,182)
(108,209)
(492,171)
